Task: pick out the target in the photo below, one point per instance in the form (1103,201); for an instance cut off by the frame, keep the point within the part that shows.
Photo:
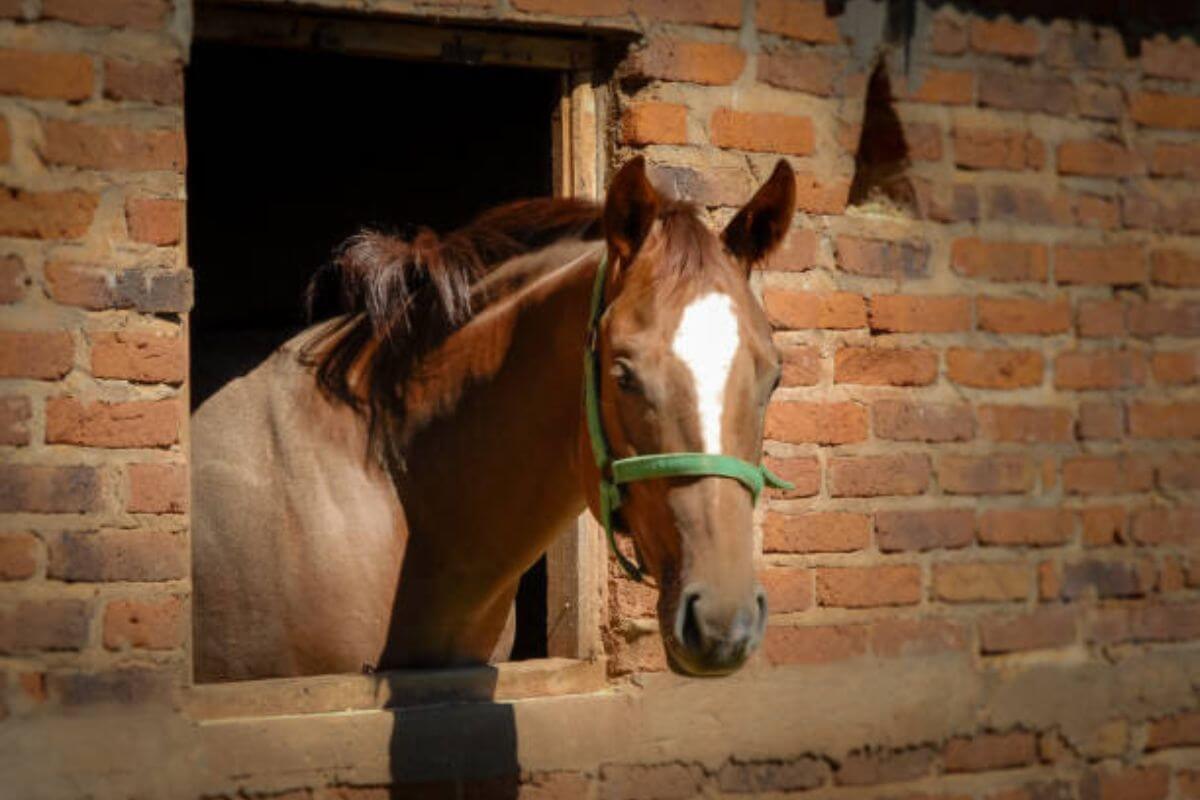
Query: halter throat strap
(614,474)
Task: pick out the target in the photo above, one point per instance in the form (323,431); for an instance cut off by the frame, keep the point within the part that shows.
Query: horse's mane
(402,296)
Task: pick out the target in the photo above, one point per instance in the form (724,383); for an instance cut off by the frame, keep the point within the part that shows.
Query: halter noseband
(659,465)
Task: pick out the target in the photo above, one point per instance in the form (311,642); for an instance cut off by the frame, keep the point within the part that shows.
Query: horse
(370,495)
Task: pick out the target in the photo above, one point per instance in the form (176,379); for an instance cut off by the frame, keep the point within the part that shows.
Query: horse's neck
(491,481)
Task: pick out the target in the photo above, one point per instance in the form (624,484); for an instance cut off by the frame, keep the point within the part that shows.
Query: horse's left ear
(630,208)
(762,223)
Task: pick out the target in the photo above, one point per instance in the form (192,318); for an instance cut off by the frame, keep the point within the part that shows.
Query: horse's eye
(625,377)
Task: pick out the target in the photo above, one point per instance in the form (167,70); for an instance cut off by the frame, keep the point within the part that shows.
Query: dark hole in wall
(290,152)
(881,163)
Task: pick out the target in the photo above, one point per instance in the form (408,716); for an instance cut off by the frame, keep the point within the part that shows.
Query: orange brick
(574,8)
(1157,318)
(78,144)
(816,532)
(821,423)
(999,261)
(798,253)
(994,369)
(1109,264)
(803,472)
(1005,38)
(885,366)
(1011,423)
(45,355)
(876,476)
(18,556)
(143,423)
(1040,527)
(1044,629)
(1101,318)
(814,645)
(1099,369)
(5,141)
(949,35)
(801,310)
(1135,783)
(142,14)
(896,313)
(46,75)
(654,123)
(996,474)
(944,87)
(1176,160)
(801,365)
(1100,421)
(1175,59)
(1097,157)
(15,415)
(1164,420)
(982,582)
(788,589)
(1102,526)
(764,131)
(1094,211)
(1176,268)
(1106,475)
(1158,110)
(145,624)
(1179,368)
(805,20)
(809,72)
(868,587)
(714,13)
(1023,315)
(988,148)
(154,220)
(821,195)
(900,420)
(158,489)
(144,81)
(143,357)
(46,215)
(1181,730)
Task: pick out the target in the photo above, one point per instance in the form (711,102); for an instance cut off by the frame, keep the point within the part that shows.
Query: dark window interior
(290,152)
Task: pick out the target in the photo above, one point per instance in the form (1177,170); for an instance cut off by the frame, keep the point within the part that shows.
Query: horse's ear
(762,223)
(629,209)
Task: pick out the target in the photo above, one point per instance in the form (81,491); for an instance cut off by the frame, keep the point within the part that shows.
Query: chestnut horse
(371,494)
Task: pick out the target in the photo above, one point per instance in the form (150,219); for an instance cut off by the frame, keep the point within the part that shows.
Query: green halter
(660,465)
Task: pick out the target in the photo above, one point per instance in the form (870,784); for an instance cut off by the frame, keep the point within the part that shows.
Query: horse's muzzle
(712,637)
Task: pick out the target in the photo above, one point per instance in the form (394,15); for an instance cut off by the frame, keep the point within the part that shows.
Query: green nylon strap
(649,467)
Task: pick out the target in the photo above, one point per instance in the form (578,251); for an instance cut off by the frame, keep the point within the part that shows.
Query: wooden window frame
(576,563)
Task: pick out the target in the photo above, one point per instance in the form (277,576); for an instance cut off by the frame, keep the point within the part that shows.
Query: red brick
(1176,268)
(943,87)
(145,624)
(1095,211)
(869,587)
(144,81)
(1176,160)
(1158,110)
(896,638)
(1005,38)
(766,132)
(923,141)
(13,279)
(141,423)
(1030,205)
(789,589)
(1039,527)
(154,220)
(144,14)
(654,123)
(798,253)
(1160,525)
(1182,730)
(874,258)
(885,366)
(900,420)
(1156,318)
(996,474)
(18,556)
(1178,59)
(1157,207)
(814,645)
(143,357)
(45,355)
(924,530)
(1023,315)
(982,582)
(15,414)
(822,423)
(572,8)
(1085,46)
(1100,100)
(708,63)
(804,473)
(816,532)
(5,141)
(150,290)
(898,313)
(46,75)
(139,687)
(808,72)
(118,555)
(1135,783)
(1099,369)
(1180,472)
(873,767)
(1106,475)
(34,625)
(821,195)
(1025,423)
(157,489)
(46,215)
(79,144)
(1025,92)
(1109,264)
(801,365)
(1163,623)
(988,148)
(957,202)
(714,13)
(1049,580)
(1178,368)
(994,369)
(949,35)
(49,490)
(1101,318)
(1103,525)
(801,310)
(999,261)
(875,476)
(1100,421)
(1043,629)
(1188,781)
(1097,157)
(1164,420)
(797,19)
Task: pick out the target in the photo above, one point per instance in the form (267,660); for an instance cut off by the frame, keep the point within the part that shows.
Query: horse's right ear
(629,209)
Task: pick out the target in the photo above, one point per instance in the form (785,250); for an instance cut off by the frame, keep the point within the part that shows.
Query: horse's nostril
(763,610)
(690,635)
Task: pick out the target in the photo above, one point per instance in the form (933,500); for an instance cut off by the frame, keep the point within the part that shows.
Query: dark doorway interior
(290,152)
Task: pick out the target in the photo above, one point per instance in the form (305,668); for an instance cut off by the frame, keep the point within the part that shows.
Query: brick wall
(990,404)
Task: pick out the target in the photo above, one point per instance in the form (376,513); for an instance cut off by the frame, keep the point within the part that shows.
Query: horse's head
(686,364)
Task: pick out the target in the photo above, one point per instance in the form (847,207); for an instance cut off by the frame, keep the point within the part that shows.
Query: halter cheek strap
(613,474)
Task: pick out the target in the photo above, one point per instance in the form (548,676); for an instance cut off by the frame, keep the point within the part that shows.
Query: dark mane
(402,296)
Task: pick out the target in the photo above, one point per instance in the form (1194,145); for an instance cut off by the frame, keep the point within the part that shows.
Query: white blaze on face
(706,341)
